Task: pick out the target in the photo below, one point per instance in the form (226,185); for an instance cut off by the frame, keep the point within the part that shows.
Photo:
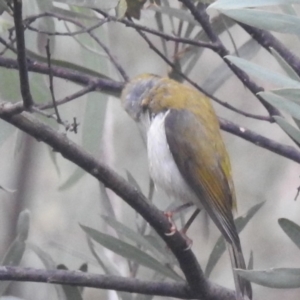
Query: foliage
(77,56)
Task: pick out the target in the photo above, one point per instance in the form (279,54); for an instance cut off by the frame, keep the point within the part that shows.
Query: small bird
(186,153)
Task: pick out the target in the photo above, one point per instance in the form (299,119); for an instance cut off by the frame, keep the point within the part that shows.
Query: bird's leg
(170,213)
(187,226)
(190,221)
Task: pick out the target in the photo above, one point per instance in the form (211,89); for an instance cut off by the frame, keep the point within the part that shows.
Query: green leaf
(16,250)
(191,57)
(222,73)
(263,73)
(180,14)
(281,278)
(220,247)
(234,4)
(108,267)
(289,93)
(130,252)
(291,131)
(49,264)
(281,103)
(4,7)
(291,229)
(121,9)
(285,66)
(23,225)
(132,181)
(100,4)
(73,15)
(106,202)
(251,261)
(12,258)
(71,292)
(135,237)
(134,8)
(102,259)
(265,20)
(95,109)
(45,257)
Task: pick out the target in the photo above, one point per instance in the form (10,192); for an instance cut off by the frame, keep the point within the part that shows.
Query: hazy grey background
(259,175)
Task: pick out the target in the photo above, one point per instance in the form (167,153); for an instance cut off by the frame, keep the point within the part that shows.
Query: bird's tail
(243,286)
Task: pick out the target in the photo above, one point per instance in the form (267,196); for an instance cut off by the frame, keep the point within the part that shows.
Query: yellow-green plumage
(187,155)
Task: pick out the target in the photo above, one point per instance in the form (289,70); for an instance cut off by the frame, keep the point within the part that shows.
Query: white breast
(162,166)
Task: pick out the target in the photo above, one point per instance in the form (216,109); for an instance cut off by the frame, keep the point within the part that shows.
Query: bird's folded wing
(201,157)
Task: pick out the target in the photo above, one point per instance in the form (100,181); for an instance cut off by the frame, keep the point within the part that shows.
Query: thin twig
(51,87)
(114,88)
(259,140)
(92,35)
(104,85)
(241,112)
(268,41)
(167,37)
(83,45)
(11,108)
(201,16)
(22,61)
(7,46)
(89,88)
(72,33)
(173,66)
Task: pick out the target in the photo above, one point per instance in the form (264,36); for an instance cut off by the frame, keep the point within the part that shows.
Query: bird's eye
(144,108)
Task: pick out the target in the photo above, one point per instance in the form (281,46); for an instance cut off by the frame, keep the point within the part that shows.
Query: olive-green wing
(200,160)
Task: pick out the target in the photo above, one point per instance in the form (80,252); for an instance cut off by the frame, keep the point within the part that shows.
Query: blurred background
(59,196)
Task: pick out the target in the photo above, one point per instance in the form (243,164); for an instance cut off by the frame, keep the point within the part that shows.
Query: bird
(187,156)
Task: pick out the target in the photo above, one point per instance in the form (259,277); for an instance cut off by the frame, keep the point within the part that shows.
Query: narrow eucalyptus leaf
(281,103)
(222,73)
(263,73)
(265,20)
(23,225)
(291,131)
(285,66)
(135,237)
(282,278)
(291,94)
(180,14)
(130,252)
(101,4)
(291,229)
(12,257)
(49,264)
(233,4)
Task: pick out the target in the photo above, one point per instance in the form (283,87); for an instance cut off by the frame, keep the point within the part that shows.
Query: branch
(193,83)
(119,68)
(21,53)
(107,86)
(107,282)
(201,16)
(112,87)
(261,141)
(82,92)
(267,40)
(51,86)
(163,35)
